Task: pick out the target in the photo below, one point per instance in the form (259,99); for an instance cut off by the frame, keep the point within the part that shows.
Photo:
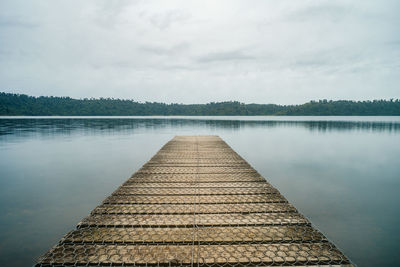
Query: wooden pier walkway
(195,203)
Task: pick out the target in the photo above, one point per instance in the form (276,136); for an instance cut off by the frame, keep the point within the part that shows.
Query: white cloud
(201,51)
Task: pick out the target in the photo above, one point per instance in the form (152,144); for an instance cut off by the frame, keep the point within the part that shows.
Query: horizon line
(211,102)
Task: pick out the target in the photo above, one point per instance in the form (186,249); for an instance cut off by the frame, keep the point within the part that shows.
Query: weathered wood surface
(195,203)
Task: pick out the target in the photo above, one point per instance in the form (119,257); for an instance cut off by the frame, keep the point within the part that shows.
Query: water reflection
(21,127)
(53,172)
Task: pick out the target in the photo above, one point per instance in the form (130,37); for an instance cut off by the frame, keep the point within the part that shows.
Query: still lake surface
(343,173)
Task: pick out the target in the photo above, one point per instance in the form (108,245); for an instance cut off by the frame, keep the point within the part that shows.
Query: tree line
(21,104)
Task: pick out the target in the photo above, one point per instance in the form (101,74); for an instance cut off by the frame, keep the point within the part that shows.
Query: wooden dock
(195,203)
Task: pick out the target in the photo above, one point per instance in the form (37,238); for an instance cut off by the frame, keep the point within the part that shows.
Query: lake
(343,173)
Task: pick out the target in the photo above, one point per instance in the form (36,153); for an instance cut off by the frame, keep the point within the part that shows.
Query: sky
(283,52)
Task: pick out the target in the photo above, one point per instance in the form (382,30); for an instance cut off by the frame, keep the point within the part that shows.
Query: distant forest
(20,104)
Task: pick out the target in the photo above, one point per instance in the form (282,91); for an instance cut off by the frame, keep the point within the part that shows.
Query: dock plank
(204,235)
(193,208)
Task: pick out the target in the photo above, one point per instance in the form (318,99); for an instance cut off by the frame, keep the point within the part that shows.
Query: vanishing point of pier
(195,203)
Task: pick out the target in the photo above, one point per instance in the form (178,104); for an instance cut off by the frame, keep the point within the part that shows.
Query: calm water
(343,173)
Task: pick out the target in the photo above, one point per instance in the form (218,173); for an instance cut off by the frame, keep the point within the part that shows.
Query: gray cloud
(11,22)
(323,11)
(162,50)
(164,20)
(236,55)
(199,51)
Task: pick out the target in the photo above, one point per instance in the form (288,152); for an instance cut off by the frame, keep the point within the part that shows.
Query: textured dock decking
(195,203)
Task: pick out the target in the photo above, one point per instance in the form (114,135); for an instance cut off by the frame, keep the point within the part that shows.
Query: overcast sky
(187,51)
